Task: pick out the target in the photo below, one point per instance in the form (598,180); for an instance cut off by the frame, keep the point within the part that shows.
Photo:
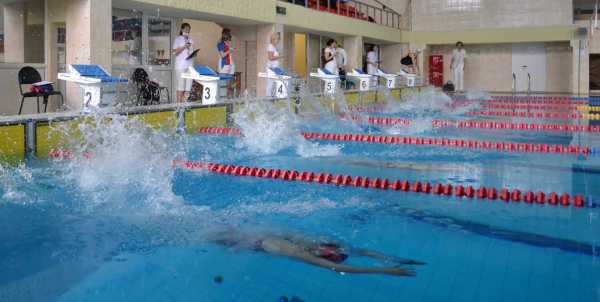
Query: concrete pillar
(263,35)
(89,38)
(354,51)
(391,55)
(15,19)
(581,67)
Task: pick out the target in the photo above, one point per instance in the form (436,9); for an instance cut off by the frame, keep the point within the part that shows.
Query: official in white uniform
(372,61)
(183,48)
(273,57)
(329,57)
(458,66)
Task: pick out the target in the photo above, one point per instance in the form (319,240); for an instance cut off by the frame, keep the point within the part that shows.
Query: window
(126,37)
(159,41)
(22,23)
(463,5)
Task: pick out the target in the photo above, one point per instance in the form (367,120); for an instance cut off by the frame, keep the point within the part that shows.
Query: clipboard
(193,54)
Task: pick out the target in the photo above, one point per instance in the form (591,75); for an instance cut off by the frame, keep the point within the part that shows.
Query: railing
(355,9)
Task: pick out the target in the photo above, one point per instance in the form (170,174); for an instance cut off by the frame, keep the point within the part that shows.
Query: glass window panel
(126,37)
(159,41)
(22,31)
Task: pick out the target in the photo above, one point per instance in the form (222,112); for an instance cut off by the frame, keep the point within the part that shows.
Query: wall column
(391,55)
(89,38)
(354,51)
(581,67)
(15,19)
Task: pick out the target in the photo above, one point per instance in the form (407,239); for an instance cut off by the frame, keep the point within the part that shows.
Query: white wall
(445,15)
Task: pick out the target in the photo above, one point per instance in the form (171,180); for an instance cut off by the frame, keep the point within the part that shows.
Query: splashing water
(477,95)
(120,163)
(11,181)
(268,129)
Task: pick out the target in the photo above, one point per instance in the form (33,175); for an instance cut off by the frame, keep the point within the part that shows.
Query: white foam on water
(12,183)
(268,129)
(477,95)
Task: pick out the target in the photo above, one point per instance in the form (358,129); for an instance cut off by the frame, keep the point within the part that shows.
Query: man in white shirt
(458,66)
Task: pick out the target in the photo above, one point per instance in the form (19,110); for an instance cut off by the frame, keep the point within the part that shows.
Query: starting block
(328,78)
(281,81)
(98,86)
(363,78)
(390,79)
(209,80)
(409,79)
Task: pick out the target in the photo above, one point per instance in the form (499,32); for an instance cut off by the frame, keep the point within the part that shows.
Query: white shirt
(458,58)
(272,63)
(341,57)
(372,57)
(331,66)
(180,60)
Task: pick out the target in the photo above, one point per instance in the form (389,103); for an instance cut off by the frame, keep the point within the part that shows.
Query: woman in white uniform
(372,61)
(329,57)
(458,66)
(273,57)
(183,48)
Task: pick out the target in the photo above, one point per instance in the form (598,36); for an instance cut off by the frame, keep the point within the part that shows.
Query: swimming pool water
(125,225)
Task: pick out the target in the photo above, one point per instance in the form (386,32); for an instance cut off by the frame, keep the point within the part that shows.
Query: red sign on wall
(436,70)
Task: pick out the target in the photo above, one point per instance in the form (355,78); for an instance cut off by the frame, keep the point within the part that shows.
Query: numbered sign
(281,91)
(209,92)
(330,86)
(410,81)
(92,96)
(364,85)
(390,82)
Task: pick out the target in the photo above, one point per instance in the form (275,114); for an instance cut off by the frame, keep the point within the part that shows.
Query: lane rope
(427,141)
(514,196)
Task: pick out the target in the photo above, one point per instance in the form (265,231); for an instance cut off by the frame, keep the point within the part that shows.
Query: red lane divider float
(533,97)
(66,154)
(489,125)
(522,114)
(535,101)
(514,196)
(562,108)
(442,142)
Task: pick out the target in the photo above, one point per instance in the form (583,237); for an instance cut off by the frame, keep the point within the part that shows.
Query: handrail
(355,9)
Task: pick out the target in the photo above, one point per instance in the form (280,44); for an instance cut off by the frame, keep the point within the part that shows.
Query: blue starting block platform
(281,81)
(209,79)
(99,87)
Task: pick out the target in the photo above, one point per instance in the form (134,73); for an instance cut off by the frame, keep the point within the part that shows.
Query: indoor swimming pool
(128,212)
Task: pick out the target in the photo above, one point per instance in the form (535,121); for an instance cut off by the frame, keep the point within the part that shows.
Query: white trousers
(459,78)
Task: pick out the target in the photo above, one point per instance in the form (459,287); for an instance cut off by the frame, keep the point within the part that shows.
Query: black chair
(29,76)
(148,92)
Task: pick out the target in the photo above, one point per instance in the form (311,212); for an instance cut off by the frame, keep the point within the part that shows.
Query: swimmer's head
(331,252)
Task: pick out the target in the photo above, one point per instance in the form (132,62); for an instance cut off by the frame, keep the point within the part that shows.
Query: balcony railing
(357,10)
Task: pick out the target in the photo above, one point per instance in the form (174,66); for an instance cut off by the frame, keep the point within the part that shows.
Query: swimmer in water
(328,255)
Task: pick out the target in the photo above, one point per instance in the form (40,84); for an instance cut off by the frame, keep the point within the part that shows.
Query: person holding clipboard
(183,48)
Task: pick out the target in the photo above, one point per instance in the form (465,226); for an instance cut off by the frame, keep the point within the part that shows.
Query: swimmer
(328,255)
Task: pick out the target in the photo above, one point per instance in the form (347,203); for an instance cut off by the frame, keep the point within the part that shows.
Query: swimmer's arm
(343,268)
(384,257)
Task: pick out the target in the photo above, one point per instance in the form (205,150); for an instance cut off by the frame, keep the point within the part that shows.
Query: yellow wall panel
(205,117)
(165,119)
(12,142)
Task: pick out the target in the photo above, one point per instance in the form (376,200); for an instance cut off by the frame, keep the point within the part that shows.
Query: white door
(529,59)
